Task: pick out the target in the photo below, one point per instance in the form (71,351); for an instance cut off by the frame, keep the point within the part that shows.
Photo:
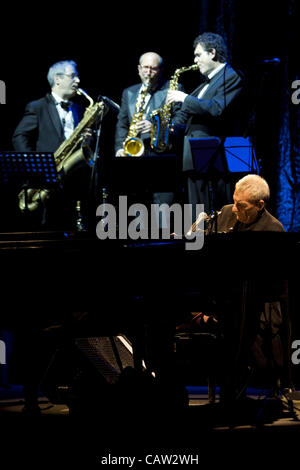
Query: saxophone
(133,145)
(66,157)
(161,117)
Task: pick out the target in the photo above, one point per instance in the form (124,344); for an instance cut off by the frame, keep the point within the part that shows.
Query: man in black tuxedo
(211,110)
(46,123)
(49,120)
(150,70)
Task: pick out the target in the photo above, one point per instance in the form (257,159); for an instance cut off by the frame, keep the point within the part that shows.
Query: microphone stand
(110,105)
(95,163)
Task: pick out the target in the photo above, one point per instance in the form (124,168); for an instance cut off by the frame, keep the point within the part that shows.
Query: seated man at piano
(241,309)
(248,211)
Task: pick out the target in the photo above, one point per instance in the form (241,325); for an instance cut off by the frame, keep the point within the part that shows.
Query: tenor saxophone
(66,157)
(133,145)
(161,117)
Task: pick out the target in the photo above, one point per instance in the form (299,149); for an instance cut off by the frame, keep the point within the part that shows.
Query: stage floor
(200,434)
(12,403)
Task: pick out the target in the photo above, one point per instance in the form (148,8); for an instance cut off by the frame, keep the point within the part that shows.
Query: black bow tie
(66,105)
(206,79)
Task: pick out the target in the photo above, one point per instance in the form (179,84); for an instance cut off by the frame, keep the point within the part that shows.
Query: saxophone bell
(134,147)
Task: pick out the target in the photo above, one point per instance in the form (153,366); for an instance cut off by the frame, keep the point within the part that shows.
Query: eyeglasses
(70,75)
(149,67)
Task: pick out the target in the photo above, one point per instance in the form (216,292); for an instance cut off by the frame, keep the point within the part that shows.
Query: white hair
(256,186)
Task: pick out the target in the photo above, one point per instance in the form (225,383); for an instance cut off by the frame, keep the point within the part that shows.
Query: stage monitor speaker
(109,354)
(89,361)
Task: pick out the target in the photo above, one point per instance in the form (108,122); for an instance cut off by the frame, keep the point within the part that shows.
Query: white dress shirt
(66,117)
(210,76)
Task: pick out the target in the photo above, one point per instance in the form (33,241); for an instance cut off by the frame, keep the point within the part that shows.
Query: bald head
(152,57)
(150,67)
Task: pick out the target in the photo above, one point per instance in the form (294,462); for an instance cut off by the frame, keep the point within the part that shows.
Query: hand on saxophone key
(175,96)
(143,126)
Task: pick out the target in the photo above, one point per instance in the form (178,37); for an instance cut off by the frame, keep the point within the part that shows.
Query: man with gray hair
(45,125)
(244,311)
(48,121)
(248,211)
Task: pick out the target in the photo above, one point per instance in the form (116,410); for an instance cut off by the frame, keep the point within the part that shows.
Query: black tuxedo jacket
(216,114)
(40,128)
(128,102)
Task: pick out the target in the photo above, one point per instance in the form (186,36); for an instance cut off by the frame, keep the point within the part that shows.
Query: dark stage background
(107,38)
(106,41)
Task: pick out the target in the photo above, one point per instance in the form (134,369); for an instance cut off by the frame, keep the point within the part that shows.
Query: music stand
(205,153)
(24,170)
(209,163)
(147,173)
(240,155)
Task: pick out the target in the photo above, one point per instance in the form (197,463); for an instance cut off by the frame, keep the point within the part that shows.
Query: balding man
(148,95)
(143,98)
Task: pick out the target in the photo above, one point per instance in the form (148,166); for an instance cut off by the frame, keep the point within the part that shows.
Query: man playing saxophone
(141,98)
(214,109)
(45,125)
(134,120)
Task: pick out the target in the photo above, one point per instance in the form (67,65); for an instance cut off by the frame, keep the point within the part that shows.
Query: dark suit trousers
(213,192)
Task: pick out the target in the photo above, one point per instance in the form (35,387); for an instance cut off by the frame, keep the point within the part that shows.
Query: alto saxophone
(161,117)
(133,145)
(66,157)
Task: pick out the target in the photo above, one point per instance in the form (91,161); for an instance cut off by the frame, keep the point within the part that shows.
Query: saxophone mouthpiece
(80,91)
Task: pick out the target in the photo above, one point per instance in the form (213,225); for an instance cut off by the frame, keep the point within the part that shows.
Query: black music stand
(208,163)
(24,170)
(216,159)
(205,152)
(147,173)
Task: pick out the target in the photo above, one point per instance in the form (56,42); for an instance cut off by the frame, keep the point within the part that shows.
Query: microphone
(202,217)
(274,61)
(110,103)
